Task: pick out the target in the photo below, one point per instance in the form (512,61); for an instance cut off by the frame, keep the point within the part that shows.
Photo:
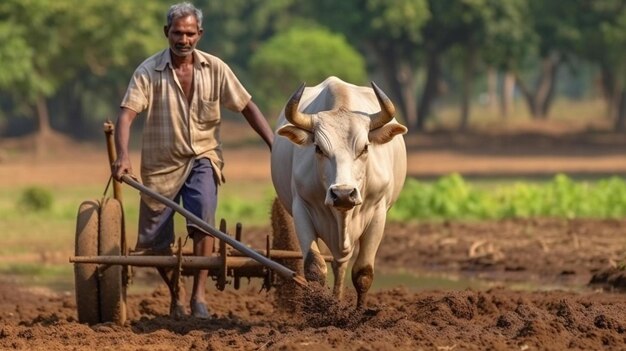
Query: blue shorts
(199,196)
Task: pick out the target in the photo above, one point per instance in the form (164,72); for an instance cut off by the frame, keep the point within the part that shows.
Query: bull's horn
(295,117)
(387,110)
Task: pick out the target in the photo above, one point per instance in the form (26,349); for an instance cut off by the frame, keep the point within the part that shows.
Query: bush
(302,55)
(35,199)
(451,197)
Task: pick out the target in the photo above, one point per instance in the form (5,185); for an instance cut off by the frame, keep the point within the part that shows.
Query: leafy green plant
(36,199)
(451,197)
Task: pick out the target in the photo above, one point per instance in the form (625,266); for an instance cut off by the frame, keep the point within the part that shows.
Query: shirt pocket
(209,112)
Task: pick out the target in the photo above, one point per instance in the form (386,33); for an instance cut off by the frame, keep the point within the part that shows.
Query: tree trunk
(430,91)
(620,121)
(45,130)
(43,118)
(540,99)
(508,91)
(401,78)
(547,89)
(409,95)
(492,89)
(609,90)
(466,88)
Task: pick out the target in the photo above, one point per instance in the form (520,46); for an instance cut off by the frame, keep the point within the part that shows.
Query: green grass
(28,236)
(53,229)
(54,276)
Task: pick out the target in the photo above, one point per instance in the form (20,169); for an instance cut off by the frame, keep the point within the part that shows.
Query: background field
(545,262)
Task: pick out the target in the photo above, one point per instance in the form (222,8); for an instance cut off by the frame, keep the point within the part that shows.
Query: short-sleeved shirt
(176,132)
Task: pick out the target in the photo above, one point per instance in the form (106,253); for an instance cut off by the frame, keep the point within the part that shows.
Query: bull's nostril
(353,194)
(333,195)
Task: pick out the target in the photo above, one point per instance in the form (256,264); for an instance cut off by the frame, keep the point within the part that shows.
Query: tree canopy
(303,55)
(67,62)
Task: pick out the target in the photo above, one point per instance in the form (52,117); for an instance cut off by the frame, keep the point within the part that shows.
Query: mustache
(184,47)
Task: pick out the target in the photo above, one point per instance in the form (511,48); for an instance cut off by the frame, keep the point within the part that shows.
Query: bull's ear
(296,135)
(385,133)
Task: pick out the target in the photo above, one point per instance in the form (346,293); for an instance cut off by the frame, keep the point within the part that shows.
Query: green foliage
(303,55)
(36,199)
(77,55)
(451,197)
(53,45)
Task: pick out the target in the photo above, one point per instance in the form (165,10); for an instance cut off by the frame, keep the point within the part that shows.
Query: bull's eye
(363,152)
(318,150)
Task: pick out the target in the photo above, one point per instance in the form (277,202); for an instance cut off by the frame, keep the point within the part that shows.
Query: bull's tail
(284,238)
(283,230)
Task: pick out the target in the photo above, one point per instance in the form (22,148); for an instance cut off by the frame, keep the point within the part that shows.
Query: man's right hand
(120,167)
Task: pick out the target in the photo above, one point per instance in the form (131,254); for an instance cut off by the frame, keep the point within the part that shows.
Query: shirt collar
(165,60)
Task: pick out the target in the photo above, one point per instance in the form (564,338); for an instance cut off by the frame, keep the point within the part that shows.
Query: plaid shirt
(176,132)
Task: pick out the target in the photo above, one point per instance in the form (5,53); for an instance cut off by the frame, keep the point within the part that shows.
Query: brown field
(534,274)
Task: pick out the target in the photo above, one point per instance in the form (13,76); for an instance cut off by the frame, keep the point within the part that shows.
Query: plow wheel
(112,285)
(100,290)
(86,275)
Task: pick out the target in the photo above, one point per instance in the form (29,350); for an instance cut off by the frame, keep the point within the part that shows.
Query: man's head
(184,28)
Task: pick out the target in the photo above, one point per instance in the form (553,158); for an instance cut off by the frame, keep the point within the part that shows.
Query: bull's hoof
(177,311)
(199,310)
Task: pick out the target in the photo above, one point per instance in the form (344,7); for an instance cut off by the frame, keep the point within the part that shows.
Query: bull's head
(342,138)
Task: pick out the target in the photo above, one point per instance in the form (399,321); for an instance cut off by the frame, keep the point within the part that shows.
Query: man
(181,89)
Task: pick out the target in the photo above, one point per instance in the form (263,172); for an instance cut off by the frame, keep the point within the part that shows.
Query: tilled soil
(537,271)
(558,254)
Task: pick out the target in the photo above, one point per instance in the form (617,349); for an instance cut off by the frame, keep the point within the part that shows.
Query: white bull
(337,167)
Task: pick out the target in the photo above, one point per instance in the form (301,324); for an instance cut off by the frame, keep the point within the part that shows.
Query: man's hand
(120,167)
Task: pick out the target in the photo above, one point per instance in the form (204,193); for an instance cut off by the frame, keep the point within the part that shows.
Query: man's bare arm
(258,122)
(122,164)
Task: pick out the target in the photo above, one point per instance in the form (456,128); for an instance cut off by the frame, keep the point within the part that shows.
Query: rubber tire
(85,274)
(112,284)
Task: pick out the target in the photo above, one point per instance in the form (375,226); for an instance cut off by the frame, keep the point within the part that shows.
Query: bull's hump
(334,94)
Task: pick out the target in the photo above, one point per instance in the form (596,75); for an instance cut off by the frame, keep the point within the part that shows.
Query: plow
(103,262)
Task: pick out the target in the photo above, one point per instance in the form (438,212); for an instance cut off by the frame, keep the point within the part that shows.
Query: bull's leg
(363,269)
(362,280)
(315,267)
(314,264)
(339,271)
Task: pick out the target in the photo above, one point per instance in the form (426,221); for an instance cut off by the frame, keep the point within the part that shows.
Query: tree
(303,55)
(557,34)
(388,31)
(495,37)
(235,29)
(54,43)
(30,24)
(603,41)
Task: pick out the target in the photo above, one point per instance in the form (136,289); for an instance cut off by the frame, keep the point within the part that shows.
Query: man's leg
(199,196)
(202,246)
(156,233)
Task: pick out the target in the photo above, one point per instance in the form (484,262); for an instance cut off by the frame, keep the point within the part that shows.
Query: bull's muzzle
(343,197)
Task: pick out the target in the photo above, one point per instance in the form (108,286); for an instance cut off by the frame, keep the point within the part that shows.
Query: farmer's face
(183,35)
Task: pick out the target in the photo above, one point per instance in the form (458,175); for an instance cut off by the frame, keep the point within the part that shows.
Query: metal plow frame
(101,288)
